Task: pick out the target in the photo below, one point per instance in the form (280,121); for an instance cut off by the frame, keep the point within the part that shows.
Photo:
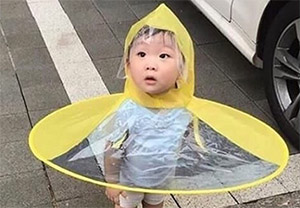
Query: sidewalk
(47,63)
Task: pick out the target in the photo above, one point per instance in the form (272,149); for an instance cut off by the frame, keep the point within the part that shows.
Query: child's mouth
(150,80)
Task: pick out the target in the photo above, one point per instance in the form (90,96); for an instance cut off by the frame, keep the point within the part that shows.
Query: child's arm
(113,154)
(112,161)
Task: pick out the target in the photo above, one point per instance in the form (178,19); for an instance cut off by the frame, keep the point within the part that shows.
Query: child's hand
(113,194)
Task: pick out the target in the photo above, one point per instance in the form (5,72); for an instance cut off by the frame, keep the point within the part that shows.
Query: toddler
(146,153)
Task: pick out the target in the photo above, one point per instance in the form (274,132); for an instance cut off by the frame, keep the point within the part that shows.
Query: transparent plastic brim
(203,159)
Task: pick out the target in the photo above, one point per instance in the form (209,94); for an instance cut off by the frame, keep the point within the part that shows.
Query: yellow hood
(163,18)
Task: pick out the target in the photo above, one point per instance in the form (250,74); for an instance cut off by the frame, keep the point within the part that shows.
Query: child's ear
(179,82)
(127,64)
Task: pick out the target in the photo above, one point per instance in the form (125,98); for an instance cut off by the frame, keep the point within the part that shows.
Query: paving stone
(30,77)
(121,29)
(223,92)
(91,201)
(141,10)
(36,116)
(5,63)
(291,147)
(14,136)
(66,187)
(77,5)
(115,11)
(200,28)
(288,200)
(264,105)
(138,2)
(43,206)
(11,102)
(2,44)
(11,1)
(168,202)
(15,157)
(45,96)
(8,80)
(96,35)
(3,47)
(14,122)
(20,26)
(205,201)
(108,70)
(258,192)
(23,40)
(63,1)
(37,59)
(253,87)
(198,93)
(206,72)
(14,10)
(290,178)
(24,190)
(204,33)
(100,43)
(100,200)
(83,14)
(229,60)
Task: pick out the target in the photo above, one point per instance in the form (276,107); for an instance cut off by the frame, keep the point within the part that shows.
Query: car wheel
(281,63)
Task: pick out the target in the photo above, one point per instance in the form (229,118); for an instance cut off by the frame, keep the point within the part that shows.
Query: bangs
(146,36)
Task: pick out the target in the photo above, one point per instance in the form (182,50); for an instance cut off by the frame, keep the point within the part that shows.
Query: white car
(267,33)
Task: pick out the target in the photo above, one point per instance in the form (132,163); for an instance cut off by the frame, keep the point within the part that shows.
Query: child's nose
(151,68)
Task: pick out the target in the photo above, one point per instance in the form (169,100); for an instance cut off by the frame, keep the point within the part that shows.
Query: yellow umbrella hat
(63,139)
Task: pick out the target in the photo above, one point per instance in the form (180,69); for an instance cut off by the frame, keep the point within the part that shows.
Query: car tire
(281,89)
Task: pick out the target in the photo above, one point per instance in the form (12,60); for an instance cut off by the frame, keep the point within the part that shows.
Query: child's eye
(164,56)
(141,54)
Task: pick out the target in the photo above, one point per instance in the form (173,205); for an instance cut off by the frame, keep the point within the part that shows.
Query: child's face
(153,64)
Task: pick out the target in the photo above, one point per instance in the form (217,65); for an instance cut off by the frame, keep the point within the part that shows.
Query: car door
(222,6)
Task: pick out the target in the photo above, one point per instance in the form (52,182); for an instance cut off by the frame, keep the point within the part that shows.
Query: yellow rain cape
(219,149)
